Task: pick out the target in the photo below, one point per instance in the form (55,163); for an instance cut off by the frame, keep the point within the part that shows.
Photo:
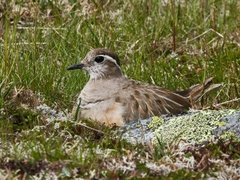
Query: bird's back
(142,101)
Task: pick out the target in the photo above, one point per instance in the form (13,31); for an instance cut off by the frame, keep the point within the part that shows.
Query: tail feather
(196,92)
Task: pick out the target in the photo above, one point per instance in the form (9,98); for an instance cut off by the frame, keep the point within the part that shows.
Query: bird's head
(100,64)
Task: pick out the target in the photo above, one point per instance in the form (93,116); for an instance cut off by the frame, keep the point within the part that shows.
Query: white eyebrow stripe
(108,57)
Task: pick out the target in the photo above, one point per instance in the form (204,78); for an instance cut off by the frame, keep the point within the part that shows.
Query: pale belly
(107,112)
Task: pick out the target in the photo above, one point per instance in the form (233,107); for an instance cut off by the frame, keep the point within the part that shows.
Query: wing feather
(146,101)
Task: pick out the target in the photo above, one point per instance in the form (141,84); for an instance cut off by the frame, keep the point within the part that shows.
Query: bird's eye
(99,59)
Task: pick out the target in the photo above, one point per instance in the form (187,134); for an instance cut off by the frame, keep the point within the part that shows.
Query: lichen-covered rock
(231,126)
(137,131)
(198,126)
(195,126)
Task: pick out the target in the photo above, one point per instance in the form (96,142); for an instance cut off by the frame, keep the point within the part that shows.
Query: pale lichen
(196,126)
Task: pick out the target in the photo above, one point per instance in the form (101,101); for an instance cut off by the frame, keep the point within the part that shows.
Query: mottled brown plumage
(112,98)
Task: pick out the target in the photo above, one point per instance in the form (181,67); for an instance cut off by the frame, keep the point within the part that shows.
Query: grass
(174,45)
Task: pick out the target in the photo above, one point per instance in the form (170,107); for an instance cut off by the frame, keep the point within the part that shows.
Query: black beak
(75,66)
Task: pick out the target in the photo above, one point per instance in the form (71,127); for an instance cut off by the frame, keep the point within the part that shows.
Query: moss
(156,122)
(194,127)
(229,135)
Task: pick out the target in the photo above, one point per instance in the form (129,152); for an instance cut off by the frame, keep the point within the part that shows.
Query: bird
(111,98)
